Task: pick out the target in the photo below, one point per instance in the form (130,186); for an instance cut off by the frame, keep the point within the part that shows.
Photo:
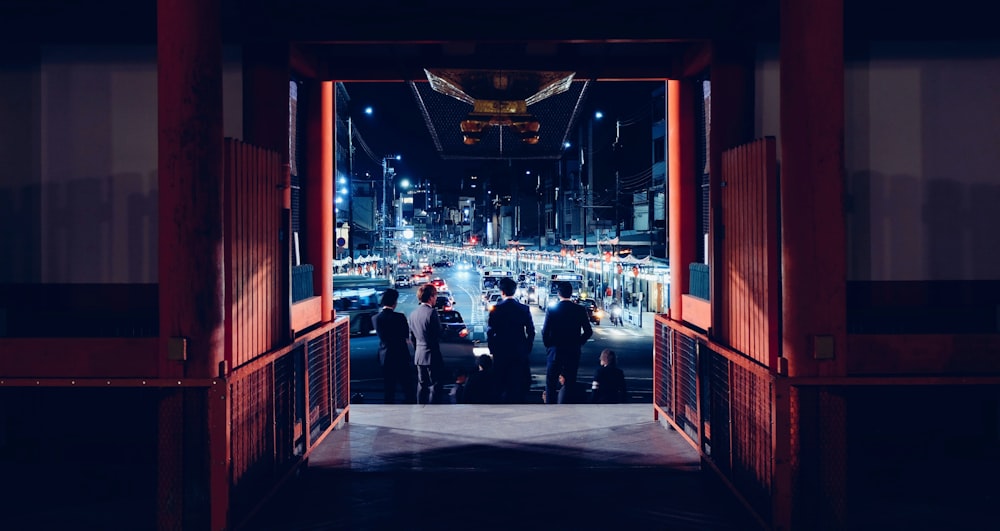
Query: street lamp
(404,184)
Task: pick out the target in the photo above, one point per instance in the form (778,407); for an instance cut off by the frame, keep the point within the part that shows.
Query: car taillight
(464,332)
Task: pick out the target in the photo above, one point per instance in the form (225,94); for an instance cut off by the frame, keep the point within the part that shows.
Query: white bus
(491,279)
(548,286)
(358,298)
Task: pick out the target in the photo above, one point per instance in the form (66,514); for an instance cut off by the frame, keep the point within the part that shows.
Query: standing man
(393,352)
(510,333)
(425,332)
(565,331)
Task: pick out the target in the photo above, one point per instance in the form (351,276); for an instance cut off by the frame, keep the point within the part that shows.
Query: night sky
(397,126)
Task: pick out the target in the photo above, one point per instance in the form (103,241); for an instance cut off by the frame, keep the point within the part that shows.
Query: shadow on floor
(503,467)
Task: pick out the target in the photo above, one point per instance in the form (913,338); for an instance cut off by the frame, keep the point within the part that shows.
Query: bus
(548,286)
(491,279)
(358,297)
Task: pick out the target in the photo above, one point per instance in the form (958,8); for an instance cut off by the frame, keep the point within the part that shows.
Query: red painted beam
(683,228)
(79,357)
(189,94)
(813,239)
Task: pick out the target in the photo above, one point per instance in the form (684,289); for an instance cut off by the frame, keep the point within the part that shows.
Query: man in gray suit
(425,333)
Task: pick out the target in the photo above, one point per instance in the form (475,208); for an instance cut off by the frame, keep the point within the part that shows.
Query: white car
(528,295)
(492,301)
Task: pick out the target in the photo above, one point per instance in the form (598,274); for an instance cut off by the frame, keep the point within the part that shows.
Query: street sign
(341,242)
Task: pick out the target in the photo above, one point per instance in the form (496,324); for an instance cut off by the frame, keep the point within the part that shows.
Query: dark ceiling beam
(400,62)
(433,21)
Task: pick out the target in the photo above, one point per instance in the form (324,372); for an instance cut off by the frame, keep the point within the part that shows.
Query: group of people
(504,375)
(423,330)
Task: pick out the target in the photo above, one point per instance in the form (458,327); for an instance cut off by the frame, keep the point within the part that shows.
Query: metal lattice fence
(724,403)
(686,380)
(282,404)
(717,419)
(341,366)
(663,368)
(320,417)
(752,448)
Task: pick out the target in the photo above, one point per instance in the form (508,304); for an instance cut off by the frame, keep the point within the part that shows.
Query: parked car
(593,310)
(452,326)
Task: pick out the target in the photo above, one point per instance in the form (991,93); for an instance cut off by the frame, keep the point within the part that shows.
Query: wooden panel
(79,357)
(696,311)
(80,310)
(750,250)
(923,307)
(307,312)
(252,205)
(923,354)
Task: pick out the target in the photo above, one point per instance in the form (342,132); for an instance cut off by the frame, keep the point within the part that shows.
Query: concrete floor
(503,467)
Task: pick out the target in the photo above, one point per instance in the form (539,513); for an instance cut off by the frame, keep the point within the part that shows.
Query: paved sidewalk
(646,321)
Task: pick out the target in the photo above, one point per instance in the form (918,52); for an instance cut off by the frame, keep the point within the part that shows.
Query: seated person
(457,394)
(608,386)
(481,386)
(570,394)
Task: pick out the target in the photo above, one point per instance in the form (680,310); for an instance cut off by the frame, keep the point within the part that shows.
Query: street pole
(617,161)
(590,180)
(382,218)
(350,195)
(538,193)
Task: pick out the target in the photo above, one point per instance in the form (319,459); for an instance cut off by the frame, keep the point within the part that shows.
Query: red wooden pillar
(266,77)
(812,187)
(189,92)
(682,193)
(319,185)
(191,275)
(731,124)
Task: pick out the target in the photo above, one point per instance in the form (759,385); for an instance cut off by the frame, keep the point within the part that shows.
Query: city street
(633,346)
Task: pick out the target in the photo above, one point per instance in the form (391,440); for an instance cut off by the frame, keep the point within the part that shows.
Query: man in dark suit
(565,330)
(425,333)
(393,352)
(510,333)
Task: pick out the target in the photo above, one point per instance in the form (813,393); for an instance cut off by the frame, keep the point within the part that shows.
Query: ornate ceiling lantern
(499,98)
